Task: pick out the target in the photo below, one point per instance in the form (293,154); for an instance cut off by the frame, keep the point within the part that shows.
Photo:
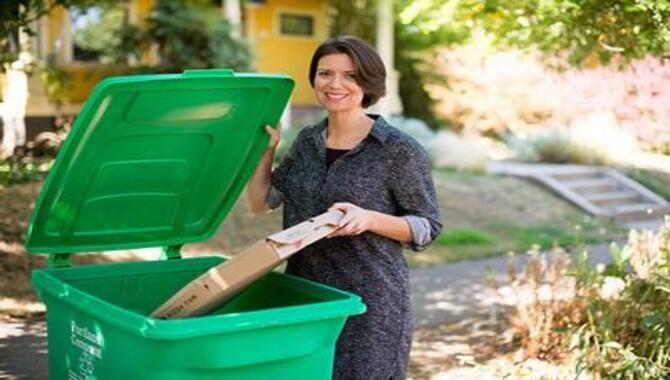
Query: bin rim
(173,329)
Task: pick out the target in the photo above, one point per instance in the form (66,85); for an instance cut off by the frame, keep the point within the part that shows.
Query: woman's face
(335,83)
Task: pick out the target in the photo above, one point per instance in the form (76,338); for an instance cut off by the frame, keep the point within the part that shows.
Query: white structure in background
(232,12)
(390,104)
(15,99)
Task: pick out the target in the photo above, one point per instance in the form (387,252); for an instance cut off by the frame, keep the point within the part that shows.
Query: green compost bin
(158,161)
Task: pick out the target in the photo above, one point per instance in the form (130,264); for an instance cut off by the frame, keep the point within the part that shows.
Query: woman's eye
(351,77)
(323,74)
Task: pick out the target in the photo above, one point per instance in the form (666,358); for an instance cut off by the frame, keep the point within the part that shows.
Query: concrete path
(441,295)
(23,351)
(449,293)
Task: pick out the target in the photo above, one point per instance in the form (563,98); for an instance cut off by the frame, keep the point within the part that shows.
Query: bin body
(281,327)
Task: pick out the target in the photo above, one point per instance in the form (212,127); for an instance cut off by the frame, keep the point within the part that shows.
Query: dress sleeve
(412,186)
(280,173)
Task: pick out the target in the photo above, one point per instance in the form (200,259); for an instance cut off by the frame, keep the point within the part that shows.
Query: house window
(296,25)
(96,32)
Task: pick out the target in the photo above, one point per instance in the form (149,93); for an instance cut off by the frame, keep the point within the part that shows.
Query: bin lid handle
(208,73)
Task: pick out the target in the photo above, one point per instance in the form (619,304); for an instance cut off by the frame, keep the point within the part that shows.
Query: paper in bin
(223,281)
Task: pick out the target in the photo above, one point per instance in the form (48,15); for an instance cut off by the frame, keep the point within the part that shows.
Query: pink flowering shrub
(496,93)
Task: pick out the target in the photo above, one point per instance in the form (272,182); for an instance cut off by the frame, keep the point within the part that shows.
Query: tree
(419,26)
(356,18)
(17,17)
(583,29)
(193,35)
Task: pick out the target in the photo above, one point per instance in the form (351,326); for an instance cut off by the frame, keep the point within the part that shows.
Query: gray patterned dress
(387,172)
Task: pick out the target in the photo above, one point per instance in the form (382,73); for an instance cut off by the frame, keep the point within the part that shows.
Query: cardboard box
(221,282)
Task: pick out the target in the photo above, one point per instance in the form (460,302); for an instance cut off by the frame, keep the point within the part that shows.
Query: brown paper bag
(223,281)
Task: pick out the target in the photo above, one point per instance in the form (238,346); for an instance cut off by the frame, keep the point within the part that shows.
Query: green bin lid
(156,160)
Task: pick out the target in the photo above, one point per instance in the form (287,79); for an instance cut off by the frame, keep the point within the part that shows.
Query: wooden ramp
(598,190)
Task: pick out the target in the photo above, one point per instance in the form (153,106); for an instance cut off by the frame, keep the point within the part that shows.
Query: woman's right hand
(274,136)
(260,182)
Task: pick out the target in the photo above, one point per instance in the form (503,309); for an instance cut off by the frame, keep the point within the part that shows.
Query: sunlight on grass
(499,238)
(464,237)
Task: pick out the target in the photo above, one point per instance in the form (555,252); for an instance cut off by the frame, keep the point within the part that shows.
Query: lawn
(487,215)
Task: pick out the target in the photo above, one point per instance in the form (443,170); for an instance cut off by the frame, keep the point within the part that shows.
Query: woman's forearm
(390,226)
(259,185)
(357,220)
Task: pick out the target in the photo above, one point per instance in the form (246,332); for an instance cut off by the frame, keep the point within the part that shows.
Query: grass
(544,236)
(496,240)
(486,216)
(658,182)
(464,237)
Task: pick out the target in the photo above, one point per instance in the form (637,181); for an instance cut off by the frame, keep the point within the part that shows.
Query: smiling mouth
(330,96)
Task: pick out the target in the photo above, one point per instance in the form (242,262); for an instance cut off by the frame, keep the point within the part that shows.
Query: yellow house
(283,35)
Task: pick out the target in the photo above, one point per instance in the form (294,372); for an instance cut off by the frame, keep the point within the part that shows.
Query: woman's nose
(336,81)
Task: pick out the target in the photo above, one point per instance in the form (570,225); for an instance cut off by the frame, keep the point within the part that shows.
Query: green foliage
(423,24)
(189,34)
(586,28)
(56,83)
(542,236)
(356,18)
(414,75)
(194,36)
(555,146)
(418,28)
(628,338)
(20,14)
(464,237)
(101,36)
(656,181)
(590,230)
(616,319)
(24,170)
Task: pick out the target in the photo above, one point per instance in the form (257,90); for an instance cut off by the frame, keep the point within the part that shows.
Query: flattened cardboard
(223,281)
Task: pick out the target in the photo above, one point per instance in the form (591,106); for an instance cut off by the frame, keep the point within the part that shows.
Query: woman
(380,178)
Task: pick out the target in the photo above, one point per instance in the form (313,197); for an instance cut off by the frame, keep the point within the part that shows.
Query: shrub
(553,145)
(23,170)
(446,149)
(191,36)
(415,128)
(617,316)
(511,92)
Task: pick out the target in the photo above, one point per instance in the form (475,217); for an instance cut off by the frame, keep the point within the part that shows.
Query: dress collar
(379,131)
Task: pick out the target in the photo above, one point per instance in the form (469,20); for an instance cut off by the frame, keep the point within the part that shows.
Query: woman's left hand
(355,221)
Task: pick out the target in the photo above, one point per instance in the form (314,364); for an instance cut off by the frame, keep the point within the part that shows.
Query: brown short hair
(370,70)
